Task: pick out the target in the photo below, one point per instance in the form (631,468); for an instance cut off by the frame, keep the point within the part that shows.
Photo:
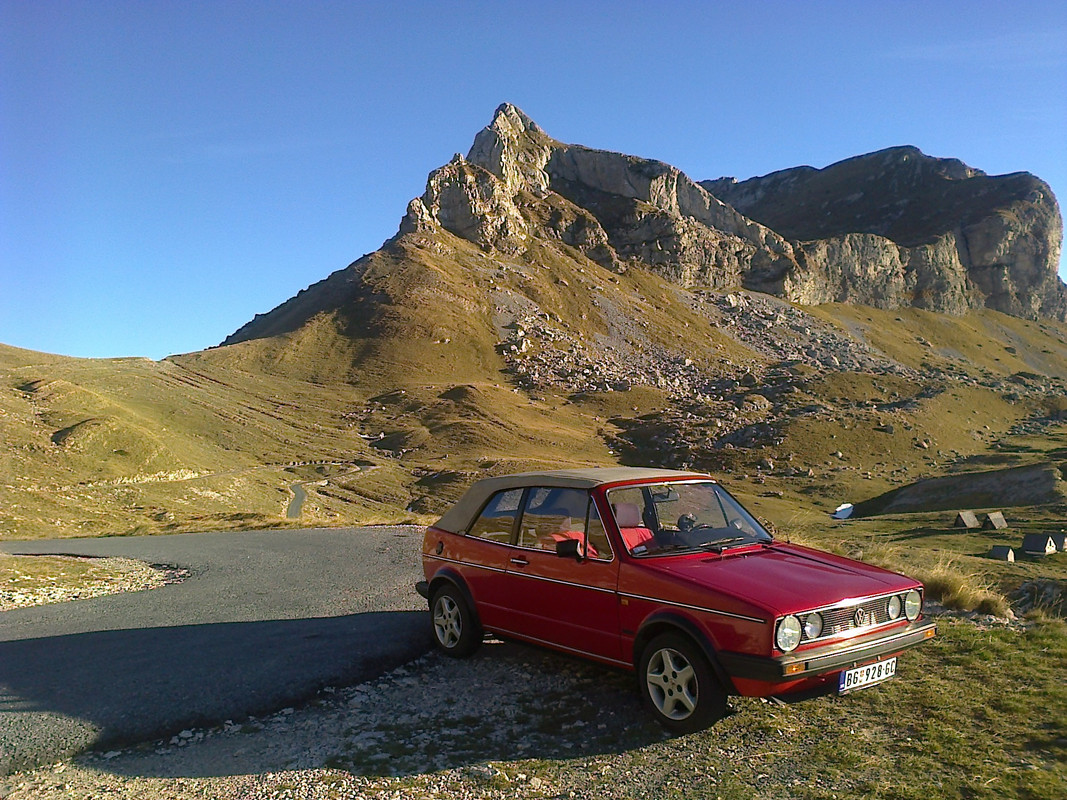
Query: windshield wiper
(725,544)
(667,548)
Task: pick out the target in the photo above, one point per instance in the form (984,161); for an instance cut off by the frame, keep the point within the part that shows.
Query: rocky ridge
(890,229)
(898,228)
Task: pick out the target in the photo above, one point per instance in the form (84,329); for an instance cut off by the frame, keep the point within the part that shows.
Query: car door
(565,601)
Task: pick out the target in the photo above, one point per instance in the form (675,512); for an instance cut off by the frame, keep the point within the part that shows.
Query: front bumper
(828,658)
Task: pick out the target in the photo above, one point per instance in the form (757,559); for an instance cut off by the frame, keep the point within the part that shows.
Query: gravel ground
(512,721)
(116,575)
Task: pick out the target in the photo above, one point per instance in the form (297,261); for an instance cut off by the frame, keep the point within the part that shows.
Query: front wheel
(678,686)
(455,628)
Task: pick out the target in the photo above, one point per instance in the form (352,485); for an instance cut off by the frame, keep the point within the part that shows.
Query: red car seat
(628,518)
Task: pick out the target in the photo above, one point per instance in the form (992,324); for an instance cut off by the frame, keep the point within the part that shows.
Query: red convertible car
(664,573)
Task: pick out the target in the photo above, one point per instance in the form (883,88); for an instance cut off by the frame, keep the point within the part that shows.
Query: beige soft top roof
(458,517)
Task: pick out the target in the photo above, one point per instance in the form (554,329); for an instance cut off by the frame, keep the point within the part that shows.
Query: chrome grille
(840,620)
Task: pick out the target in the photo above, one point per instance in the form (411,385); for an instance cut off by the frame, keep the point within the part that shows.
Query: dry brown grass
(961,590)
(945,581)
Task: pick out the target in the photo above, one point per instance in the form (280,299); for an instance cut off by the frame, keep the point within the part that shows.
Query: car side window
(551,515)
(497,519)
(597,546)
(634,517)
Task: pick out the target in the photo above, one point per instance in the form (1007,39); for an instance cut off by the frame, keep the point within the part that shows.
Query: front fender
(662,621)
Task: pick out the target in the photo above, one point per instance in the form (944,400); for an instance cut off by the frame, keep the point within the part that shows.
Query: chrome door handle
(522,562)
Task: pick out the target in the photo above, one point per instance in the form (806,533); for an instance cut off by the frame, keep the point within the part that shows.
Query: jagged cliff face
(891,229)
(899,228)
(518,183)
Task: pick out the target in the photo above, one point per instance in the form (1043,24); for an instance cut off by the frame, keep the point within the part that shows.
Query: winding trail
(296,505)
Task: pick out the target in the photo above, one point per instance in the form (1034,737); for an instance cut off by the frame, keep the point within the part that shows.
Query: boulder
(1033,484)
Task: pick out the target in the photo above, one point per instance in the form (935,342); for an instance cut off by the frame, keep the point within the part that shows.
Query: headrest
(627,515)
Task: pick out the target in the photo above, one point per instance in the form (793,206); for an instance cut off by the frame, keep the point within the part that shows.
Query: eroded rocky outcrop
(899,228)
(468,201)
(890,229)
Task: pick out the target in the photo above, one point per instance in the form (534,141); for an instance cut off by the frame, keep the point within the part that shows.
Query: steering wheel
(687,522)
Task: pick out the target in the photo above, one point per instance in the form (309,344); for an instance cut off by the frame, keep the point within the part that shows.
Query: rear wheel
(455,628)
(678,686)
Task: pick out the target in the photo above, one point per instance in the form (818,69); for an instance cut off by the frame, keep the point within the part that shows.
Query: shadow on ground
(509,701)
(62,695)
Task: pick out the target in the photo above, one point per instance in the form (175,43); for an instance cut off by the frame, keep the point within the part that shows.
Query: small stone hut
(994,520)
(1001,552)
(1040,544)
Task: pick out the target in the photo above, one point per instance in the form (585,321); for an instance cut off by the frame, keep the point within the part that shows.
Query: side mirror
(569,548)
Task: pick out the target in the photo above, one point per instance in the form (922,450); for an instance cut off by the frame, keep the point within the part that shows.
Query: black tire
(456,630)
(678,686)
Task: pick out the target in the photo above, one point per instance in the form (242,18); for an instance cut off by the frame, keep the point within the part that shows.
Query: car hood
(781,578)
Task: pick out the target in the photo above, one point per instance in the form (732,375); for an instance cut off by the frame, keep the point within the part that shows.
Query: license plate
(868,674)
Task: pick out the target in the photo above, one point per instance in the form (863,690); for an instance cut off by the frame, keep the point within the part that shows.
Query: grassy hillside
(127,446)
(386,388)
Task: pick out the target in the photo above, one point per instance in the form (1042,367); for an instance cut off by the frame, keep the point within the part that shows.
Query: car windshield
(670,517)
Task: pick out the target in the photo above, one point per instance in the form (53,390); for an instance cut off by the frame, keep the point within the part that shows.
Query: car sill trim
(554,646)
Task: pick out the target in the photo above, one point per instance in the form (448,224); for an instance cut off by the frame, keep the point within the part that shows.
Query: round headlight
(788,636)
(893,607)
(812,626)
(913,602)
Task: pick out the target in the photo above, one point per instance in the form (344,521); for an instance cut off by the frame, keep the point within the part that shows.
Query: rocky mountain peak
(515,149)
(890,229)
(510,117)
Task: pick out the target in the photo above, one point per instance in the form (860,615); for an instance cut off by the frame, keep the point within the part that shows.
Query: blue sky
(170,169)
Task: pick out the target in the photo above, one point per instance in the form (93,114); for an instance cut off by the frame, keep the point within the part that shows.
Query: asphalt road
(264,621)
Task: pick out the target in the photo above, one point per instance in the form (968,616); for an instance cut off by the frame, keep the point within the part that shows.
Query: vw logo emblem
(860,618)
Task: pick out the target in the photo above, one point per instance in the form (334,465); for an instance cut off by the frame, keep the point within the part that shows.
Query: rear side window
(497,519)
